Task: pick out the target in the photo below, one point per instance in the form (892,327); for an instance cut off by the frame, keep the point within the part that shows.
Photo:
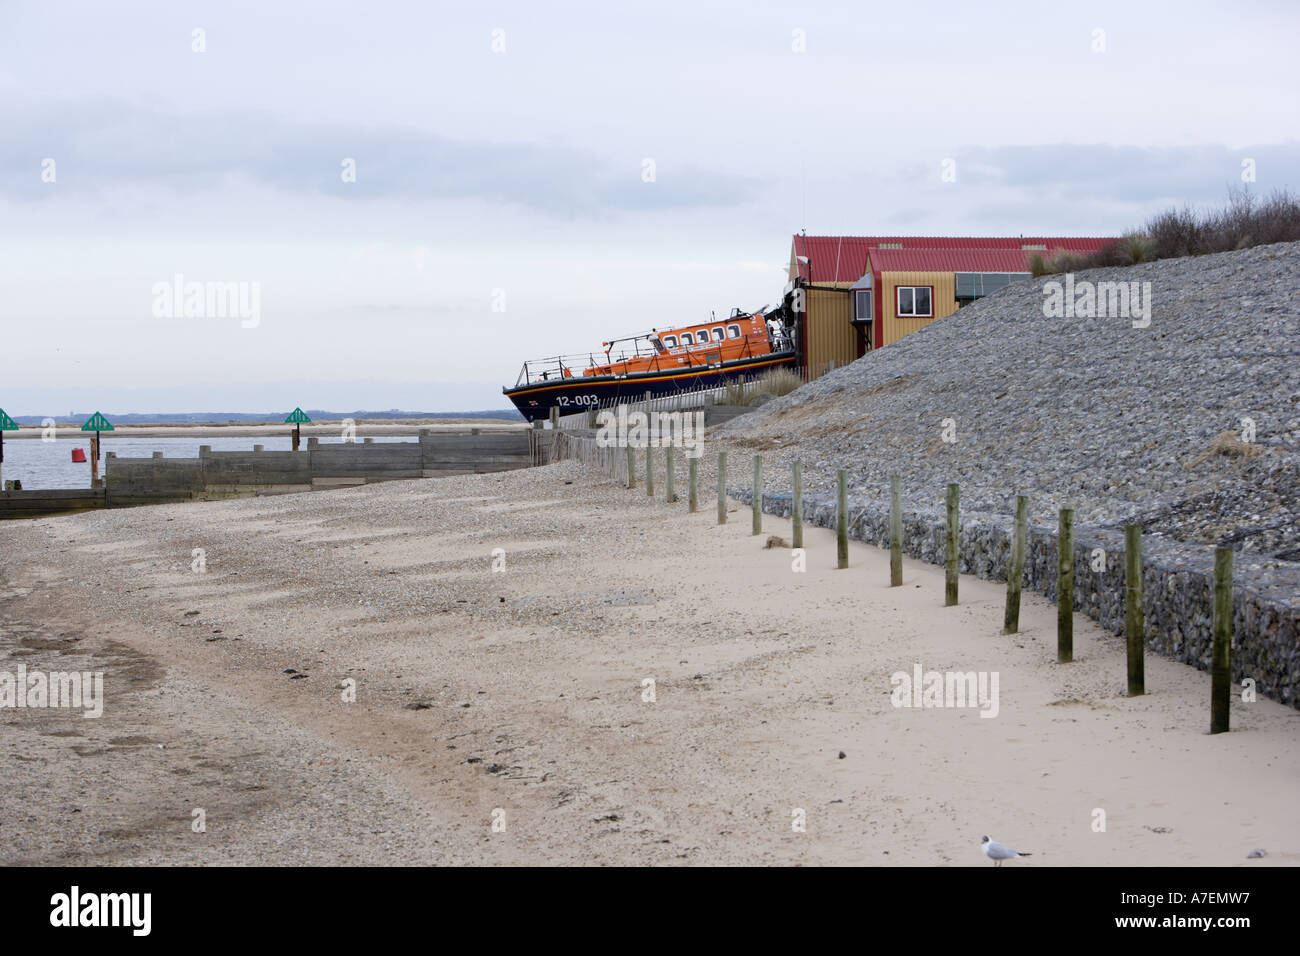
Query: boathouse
(864,292)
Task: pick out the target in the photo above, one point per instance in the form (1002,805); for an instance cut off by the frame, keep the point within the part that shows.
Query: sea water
(48,464)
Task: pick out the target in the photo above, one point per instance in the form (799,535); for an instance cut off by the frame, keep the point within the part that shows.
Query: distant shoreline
(364,429)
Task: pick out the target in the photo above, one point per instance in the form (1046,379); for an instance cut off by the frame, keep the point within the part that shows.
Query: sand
(519,695)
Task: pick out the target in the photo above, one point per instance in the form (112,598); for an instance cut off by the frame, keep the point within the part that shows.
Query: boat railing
(536,371)
(559,367)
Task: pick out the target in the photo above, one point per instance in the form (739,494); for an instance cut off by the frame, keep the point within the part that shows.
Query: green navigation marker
(97,423)
(297,418)
(7,424)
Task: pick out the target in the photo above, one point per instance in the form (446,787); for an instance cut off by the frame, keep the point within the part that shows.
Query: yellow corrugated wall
(831,337)
(944,299)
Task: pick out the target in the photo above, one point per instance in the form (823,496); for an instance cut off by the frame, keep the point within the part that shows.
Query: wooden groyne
(224,474)
(33,504)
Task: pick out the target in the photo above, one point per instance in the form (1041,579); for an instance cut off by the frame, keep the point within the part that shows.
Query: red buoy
(79,454)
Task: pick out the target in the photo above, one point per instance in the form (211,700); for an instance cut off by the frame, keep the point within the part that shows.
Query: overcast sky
(501,156)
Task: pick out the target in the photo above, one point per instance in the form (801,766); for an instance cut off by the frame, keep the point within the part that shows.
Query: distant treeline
(1244,222)
(253,418)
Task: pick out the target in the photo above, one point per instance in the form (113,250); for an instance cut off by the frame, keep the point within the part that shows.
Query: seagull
(997,852)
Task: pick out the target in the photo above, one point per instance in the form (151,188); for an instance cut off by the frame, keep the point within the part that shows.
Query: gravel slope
(1118,422)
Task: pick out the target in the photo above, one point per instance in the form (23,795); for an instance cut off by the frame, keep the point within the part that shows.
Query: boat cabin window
(687,339)
(717,334)
(670,341)
(733,331)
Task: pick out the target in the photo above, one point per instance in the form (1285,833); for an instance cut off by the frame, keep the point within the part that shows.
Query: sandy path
(522,691)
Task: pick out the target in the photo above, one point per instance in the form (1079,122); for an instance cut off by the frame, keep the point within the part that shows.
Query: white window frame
(733,331)
(871,304)
(719,335)
(670,341)
(688,339)
(898,302)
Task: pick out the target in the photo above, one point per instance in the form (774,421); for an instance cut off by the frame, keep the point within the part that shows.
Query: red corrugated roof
(844,258)
(951,260)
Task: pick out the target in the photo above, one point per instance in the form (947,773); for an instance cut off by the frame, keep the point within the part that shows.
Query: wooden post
(649,470)
(1065,587)
(757,503)
(94,461)
(555,434)
(669,495)
(1016,568)
(895,533)
(796,506)
(631,466)
(1221,669)
(950,554)
(1133,621)
(722,487)
(842,520)
(297,435)
(692,468)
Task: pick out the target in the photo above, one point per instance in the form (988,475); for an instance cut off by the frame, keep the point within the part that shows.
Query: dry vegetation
(1227,445)
(1244,222)
(777,382)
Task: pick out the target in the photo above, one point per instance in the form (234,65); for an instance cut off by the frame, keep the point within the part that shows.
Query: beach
(632,685)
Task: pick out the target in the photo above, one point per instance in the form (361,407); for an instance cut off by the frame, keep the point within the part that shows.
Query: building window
(717,334)
(670,341)
(733,331)
(914,301)
(863,305)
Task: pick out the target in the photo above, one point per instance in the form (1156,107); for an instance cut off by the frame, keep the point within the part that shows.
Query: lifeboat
(661,362)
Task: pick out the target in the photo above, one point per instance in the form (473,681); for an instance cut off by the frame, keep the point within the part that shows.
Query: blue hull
(577,394)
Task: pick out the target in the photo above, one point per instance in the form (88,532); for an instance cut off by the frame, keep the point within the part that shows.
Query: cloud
(102,144)
(1128,173)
